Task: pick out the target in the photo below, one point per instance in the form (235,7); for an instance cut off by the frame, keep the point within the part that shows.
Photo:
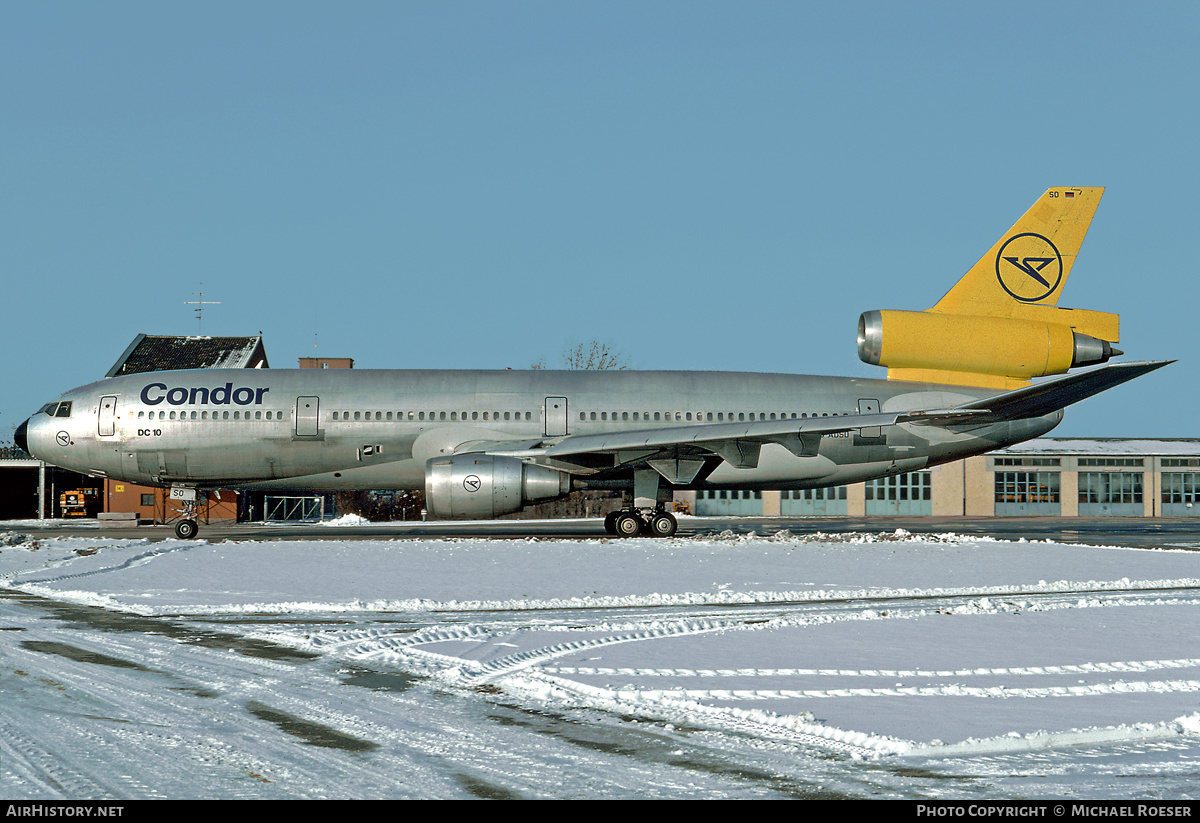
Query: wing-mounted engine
(1000,325)
(481,486)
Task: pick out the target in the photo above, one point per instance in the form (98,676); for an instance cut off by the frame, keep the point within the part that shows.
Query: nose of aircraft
(21,438)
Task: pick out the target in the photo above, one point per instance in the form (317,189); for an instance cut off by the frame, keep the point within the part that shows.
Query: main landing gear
(631,522)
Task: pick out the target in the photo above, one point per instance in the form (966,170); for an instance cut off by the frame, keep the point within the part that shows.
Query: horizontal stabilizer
(1057,393)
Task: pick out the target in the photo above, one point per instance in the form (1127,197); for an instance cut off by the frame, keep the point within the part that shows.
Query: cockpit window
(64,409)
(49,408)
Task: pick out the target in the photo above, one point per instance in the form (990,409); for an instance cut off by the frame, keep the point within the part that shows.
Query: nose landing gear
(188,500)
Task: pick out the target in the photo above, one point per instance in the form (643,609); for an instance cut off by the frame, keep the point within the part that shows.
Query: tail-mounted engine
(480,486)
(973,350)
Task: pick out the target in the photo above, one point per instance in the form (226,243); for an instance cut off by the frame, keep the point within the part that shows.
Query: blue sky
(702,185)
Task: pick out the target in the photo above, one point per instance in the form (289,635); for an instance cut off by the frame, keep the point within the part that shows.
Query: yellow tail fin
(1029,265)
(1000,324)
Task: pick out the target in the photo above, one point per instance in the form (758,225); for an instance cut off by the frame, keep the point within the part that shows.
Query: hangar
(1050,476)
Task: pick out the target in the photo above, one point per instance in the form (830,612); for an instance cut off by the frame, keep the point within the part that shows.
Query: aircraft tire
(663,524)
(610,520)
(627,524)
(186,529)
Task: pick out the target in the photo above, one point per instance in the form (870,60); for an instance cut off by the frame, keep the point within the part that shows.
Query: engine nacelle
(975,345)
(480,486)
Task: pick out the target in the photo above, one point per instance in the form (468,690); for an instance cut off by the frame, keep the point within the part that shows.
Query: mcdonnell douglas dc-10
(483,444)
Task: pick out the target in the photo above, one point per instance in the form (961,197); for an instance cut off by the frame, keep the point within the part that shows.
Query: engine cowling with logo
(964,344)
(480,486)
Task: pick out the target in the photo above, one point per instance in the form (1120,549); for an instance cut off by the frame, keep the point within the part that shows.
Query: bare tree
(593,355)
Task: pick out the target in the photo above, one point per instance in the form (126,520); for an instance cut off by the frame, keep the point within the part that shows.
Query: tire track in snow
(1070,668)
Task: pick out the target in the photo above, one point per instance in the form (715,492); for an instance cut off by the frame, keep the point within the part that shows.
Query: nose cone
(21,437)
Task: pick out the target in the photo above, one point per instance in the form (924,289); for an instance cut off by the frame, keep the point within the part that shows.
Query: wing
(1057,393)
(736,443)
(740,443)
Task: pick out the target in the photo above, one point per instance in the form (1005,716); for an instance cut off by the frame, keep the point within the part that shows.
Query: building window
(1181,487)
(1110,487)
(1027,487)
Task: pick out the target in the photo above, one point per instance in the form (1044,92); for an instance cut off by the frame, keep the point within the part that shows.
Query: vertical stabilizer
(1030,263)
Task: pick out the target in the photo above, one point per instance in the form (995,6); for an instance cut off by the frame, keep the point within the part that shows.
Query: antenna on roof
(200,304)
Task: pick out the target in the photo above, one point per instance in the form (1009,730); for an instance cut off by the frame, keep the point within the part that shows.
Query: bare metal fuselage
(377,429)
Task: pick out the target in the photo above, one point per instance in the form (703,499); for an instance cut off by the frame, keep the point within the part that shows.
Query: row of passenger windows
(426,416)
(204,415)
(702,417)
(420,416)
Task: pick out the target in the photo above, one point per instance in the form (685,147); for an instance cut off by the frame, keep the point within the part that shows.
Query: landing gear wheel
(663,524)
(627,524)
(186,529)
(610,520)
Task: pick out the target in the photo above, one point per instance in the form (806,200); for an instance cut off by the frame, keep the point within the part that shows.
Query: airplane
(483,444)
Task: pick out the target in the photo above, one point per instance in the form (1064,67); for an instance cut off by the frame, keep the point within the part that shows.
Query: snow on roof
(149,353)
(1171,446)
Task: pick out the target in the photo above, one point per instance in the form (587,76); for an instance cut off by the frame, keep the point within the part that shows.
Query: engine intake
(480,486)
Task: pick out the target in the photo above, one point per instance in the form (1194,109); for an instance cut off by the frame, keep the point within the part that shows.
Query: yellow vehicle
(79,502)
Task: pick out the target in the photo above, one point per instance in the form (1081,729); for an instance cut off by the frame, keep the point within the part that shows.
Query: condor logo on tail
(1029,267)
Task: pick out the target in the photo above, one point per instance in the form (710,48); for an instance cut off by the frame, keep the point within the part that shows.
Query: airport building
(1047,477)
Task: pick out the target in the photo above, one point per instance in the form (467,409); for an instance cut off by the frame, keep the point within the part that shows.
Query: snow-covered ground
(894,665)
